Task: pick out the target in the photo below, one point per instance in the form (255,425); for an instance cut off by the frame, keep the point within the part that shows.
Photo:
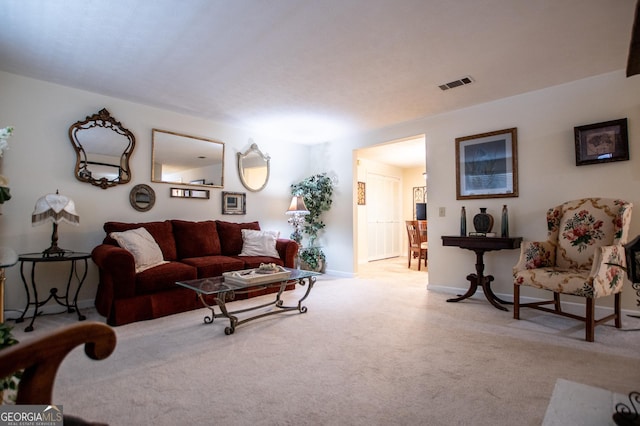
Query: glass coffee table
(224,289)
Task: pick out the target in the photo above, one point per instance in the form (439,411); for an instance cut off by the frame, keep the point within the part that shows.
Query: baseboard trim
(569,306)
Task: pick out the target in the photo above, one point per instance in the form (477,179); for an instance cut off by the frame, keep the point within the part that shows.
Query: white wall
(546,168)
(41,159)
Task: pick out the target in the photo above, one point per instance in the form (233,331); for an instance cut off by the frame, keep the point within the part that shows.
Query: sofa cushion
(164,277)
(259,243)
(162,232)
(139,242)
(196,238)
(213,266)
(230,235)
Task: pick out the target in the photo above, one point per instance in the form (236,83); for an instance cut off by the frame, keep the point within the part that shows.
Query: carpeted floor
(374,350)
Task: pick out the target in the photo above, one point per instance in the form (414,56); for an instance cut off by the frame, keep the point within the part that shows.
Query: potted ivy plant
(8,385)
(316,190)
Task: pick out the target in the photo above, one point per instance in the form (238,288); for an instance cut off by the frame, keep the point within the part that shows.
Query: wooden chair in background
(417,247)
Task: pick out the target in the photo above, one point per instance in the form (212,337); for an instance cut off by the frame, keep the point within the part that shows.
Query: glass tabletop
(215,285)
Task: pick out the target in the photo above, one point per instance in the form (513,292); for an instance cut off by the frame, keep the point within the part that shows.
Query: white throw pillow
(144,248)
(259,243)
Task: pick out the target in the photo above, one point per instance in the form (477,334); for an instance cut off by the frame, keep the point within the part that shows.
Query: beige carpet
(370,351)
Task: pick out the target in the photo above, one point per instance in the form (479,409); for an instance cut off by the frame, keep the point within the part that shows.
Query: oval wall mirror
(253,168)
(103,148)
(142,197)
(186,160)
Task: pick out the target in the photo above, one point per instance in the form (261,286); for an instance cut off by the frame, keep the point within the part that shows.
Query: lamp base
(53,251)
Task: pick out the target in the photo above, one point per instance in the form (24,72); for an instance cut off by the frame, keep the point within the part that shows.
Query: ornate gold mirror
(142,197)
(253,168)
(186,160)
(103,148)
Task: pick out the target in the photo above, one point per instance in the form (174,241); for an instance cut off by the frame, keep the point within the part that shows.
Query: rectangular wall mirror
(186,160)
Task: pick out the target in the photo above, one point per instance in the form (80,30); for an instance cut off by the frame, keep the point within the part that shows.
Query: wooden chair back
(41,357)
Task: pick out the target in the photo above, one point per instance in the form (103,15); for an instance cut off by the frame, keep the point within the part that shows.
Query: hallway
(393,269)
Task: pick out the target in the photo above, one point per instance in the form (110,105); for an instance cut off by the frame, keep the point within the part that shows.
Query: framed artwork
(602,142)
(197,182)
(487,165)
(202,194)
(362,194)
(234,203)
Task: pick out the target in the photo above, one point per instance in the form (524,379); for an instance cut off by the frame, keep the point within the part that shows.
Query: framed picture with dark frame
(487,165)
(234,203)
(602,142)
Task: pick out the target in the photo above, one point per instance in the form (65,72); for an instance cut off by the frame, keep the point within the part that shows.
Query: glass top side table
(71,257)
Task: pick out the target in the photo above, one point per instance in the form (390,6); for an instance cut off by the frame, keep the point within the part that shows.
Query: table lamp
(297,210)
(55,208)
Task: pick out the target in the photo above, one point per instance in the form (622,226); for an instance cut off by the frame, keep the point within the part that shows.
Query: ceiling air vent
(461,82)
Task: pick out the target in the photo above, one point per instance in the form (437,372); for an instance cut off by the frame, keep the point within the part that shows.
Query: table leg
(302,309)
(479,279)
(473,286)
(233,321)
(75,297)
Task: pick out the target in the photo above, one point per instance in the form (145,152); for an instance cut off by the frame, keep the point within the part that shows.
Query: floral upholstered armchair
(583,256)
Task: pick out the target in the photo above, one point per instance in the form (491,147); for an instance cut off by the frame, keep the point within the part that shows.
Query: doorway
(391,174)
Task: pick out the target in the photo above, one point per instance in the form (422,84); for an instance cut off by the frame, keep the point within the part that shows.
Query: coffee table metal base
(222,298)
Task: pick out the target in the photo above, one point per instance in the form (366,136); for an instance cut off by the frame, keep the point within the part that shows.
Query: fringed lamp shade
(54,208)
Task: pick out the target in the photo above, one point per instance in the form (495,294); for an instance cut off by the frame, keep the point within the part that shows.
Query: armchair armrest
(535,254)
(608,270)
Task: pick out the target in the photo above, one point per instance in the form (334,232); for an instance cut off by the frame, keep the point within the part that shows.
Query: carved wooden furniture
(41,357)
(480,245)
(583,256)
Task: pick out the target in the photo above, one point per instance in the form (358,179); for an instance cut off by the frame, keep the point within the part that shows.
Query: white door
(384,210)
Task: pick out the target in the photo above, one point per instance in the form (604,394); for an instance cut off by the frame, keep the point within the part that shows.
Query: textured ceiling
(311,71)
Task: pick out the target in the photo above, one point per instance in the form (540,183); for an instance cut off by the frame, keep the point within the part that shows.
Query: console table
(480,245)
(70,257)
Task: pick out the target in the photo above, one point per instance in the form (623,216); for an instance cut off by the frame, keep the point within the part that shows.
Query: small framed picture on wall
(234,203)
(602,142)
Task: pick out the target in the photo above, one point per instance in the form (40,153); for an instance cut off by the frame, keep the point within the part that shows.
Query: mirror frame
(241,156)
(139,189)
(105,120)
(182,135)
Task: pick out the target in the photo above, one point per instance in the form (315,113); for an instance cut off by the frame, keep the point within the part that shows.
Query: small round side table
(71,257)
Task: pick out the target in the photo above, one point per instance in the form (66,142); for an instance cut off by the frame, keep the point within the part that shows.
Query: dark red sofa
(192,249)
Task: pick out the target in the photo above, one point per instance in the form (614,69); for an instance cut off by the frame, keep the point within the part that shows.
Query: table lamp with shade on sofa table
(55,208)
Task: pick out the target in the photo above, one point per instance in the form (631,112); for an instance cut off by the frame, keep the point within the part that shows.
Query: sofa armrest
(288,251)
(535,254)
(117,271)
(608,270)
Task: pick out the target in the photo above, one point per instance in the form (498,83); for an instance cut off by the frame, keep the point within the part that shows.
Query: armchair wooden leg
(556,302)
(516,301)
(590,320)
(616,309)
